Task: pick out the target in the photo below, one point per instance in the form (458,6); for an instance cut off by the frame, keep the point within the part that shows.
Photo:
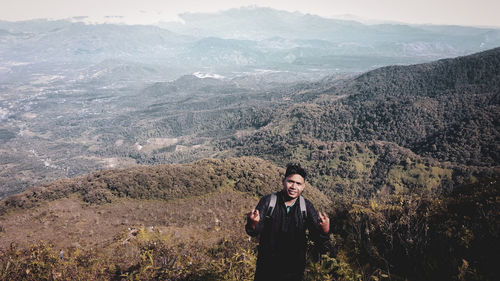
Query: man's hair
(292,169)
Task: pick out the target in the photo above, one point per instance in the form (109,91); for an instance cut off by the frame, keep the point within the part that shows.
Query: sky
(450,12)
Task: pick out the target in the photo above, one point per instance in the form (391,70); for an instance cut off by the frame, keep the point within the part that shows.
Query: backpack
(272,204)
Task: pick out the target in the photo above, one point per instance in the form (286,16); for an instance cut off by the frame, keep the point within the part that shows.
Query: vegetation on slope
(165,182)
(422,237)
(448,110)
(179,222)
(361,169)
(200,236)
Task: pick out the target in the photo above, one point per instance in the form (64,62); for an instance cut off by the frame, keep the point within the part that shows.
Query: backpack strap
(272,205)
(303,208)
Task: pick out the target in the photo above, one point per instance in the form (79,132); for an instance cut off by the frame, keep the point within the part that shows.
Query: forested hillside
(447,110)
(392,130)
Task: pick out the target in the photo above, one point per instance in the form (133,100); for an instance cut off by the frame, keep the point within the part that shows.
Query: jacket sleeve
(315,231)
(262,208)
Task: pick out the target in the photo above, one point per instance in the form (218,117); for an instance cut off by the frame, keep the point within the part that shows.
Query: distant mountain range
(346,37)
(256,23)
(241,40)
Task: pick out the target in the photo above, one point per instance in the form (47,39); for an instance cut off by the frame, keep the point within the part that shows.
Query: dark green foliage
(423,237)
(360,170)
(447,109)
(383,131)
(468,231)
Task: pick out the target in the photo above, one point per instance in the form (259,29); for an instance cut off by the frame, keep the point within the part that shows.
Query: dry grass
(194,215)
(69,222)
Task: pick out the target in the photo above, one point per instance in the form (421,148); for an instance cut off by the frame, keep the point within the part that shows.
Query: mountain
(403,158)
(68,41)
(240,41)
(108,219)
(136,151)
(446,109)
(395,122)
(384,128)
(429,108)
(256,23)
(112,72)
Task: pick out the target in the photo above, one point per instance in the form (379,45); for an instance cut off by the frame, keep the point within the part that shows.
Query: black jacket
(282,247)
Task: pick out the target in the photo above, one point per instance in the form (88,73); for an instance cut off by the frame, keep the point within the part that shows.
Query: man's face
(293,185)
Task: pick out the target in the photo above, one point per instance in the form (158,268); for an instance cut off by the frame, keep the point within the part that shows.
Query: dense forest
(447,110)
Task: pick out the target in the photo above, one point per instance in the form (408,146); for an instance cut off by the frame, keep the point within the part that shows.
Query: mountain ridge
(447,91)
(374,122)
(161,182)
(181,47)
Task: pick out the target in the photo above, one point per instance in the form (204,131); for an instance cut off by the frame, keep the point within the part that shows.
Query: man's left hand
(324,222)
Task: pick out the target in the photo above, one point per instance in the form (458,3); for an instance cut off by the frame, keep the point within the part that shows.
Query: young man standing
(281,224)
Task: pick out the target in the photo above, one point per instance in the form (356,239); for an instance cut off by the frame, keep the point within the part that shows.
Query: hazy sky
(462,12)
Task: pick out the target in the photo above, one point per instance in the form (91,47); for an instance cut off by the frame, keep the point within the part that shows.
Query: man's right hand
(253,218)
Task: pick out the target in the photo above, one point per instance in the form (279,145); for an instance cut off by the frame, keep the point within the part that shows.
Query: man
(282,229)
